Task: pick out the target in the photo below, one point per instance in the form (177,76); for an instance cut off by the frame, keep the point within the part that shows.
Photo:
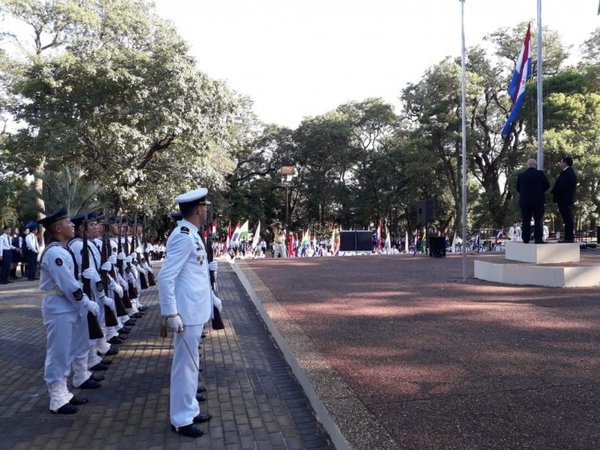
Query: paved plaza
(404,354)
(388,352)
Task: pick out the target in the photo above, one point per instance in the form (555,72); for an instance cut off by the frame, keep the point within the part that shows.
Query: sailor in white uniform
(186,301)
(64,310)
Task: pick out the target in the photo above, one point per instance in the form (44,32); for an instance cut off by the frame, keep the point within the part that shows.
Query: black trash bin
(437,246)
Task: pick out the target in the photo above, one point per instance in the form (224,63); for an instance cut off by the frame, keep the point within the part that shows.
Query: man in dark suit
(563,194)
(531,185)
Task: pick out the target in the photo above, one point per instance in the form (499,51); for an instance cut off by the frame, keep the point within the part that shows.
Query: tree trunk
(38,185)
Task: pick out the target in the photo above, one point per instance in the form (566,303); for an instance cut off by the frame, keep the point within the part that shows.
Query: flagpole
(540,117)
(464,145)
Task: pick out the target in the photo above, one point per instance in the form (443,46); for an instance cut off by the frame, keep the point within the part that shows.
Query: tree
(324,160)
(115,91)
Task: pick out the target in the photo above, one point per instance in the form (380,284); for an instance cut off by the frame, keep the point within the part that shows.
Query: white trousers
(184,376)
(66,347)
(67,340)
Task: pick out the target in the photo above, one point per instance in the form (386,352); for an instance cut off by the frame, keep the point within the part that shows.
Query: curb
(361,430)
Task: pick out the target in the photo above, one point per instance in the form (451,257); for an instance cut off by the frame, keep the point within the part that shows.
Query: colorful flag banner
(235,236)
(256,238)
(388,239)
(244,229)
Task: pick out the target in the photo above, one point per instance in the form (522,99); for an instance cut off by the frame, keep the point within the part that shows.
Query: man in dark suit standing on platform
(531,185)
(563,194)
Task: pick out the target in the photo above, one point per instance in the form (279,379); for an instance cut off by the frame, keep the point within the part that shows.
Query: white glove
(147,267)
(175,324)
(116,288)
(131,278)
(107,266)
(142,270)
(218,303)
(91,274)
(109,302)
(213,266)
(90,305)
(121,256)
(112,259)
(138,250)
(128,259)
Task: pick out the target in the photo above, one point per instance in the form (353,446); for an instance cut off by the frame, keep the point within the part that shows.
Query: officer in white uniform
(64,310)
(186,300)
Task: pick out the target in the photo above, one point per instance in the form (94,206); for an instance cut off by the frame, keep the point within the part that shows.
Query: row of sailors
(71,313)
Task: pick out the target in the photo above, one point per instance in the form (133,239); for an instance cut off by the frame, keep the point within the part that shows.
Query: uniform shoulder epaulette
(184,230)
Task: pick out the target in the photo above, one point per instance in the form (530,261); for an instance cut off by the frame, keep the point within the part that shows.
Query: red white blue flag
(516,89)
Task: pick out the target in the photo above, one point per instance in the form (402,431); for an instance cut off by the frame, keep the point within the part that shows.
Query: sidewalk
(254,398)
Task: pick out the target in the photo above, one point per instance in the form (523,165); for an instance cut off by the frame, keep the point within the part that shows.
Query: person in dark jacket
(531,185)
(563,193)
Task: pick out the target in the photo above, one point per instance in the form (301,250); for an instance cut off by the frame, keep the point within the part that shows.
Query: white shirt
(32,243)
(57,275)
(6,242)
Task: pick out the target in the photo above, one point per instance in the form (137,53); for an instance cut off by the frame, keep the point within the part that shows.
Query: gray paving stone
(252,394)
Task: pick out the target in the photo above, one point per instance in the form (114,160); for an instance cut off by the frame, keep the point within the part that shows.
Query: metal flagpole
(464,145)
(540,125)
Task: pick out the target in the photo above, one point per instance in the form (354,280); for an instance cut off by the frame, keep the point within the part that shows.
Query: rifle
(217,320)
(134,244)
(132,289)
(151,280)
(126,299)
(110,318)
(94,330)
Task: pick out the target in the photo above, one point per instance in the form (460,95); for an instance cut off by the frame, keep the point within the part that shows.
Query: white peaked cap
(191,196)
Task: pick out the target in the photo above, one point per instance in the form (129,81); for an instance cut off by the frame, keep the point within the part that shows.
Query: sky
(303,58)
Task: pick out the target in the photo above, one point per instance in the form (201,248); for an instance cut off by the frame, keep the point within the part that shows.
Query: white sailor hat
(195,196)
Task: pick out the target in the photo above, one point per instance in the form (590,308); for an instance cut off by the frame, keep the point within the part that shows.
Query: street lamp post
(287,204)
(287,174)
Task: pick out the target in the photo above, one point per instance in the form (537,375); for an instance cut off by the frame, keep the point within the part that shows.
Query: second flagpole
(540,117)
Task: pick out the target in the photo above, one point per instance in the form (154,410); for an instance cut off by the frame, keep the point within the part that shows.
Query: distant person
(563,194)
(6,252)
(514,232)
(531,185)
(546,233)
(33,249)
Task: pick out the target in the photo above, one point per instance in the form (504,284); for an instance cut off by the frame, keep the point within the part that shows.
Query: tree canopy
(106,93)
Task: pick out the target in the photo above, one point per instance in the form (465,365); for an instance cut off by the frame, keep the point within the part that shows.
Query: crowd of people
(19,253)
(92,270)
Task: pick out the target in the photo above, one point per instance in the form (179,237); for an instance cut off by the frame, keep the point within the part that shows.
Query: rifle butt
(94,330)
(110,319)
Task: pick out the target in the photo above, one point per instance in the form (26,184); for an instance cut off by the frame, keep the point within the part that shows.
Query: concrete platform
(542,253)
(511,272)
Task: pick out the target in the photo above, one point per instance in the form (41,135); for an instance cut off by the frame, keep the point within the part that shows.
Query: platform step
(510,272)
(543,253)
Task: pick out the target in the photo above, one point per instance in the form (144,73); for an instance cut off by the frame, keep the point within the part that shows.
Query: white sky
(298,58)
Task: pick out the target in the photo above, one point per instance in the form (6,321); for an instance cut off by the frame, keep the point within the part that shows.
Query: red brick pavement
(438,363)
